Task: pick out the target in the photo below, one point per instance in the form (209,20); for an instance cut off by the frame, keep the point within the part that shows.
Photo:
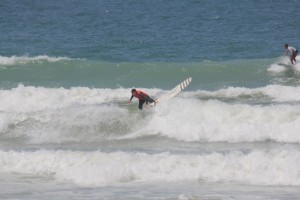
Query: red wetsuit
(143,97)
(140,95)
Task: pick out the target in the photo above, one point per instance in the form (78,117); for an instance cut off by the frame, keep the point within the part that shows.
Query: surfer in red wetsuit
(142,96)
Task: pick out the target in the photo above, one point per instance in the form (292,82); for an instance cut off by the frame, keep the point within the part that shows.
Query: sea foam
(97,169)
(6,61)
(79,114)
(215,121)
(284,64)
(275,93)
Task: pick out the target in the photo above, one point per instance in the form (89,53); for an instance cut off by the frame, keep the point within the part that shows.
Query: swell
(69,72)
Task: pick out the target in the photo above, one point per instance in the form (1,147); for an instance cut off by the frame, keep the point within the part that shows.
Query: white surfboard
(286,64)
(172,93)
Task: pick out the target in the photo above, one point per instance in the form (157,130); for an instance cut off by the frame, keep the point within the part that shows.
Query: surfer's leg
(149,100)
(141,102)
(293,57)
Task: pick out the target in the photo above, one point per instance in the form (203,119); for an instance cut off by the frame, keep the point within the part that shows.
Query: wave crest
(6,61)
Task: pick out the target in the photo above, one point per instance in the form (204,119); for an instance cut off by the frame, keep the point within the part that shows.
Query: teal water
(208,75)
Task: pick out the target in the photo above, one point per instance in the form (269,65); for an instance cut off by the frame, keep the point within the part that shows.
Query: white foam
(26,59)
(32,99)
(276,68)
(277,93)
(215,121)
(277,167)
(59,115)
(283,64)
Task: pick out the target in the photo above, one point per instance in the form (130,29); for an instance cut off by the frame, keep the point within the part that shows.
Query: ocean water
(67,130)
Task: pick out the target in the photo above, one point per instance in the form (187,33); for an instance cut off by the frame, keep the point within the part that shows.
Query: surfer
(291,52)
(142,96)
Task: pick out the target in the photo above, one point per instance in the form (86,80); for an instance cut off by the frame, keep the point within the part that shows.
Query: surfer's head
(285,46)
(133,90)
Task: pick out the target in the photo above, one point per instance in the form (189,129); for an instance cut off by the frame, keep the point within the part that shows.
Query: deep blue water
(146,31)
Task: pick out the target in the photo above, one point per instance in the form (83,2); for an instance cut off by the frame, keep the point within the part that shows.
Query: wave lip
(7,61)
(277,93)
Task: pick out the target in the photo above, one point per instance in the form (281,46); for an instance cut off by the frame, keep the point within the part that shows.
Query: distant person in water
(291,52)
(142,96)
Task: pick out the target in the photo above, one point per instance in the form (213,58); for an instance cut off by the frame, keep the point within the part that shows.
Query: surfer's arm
(131,98)
(286,53)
